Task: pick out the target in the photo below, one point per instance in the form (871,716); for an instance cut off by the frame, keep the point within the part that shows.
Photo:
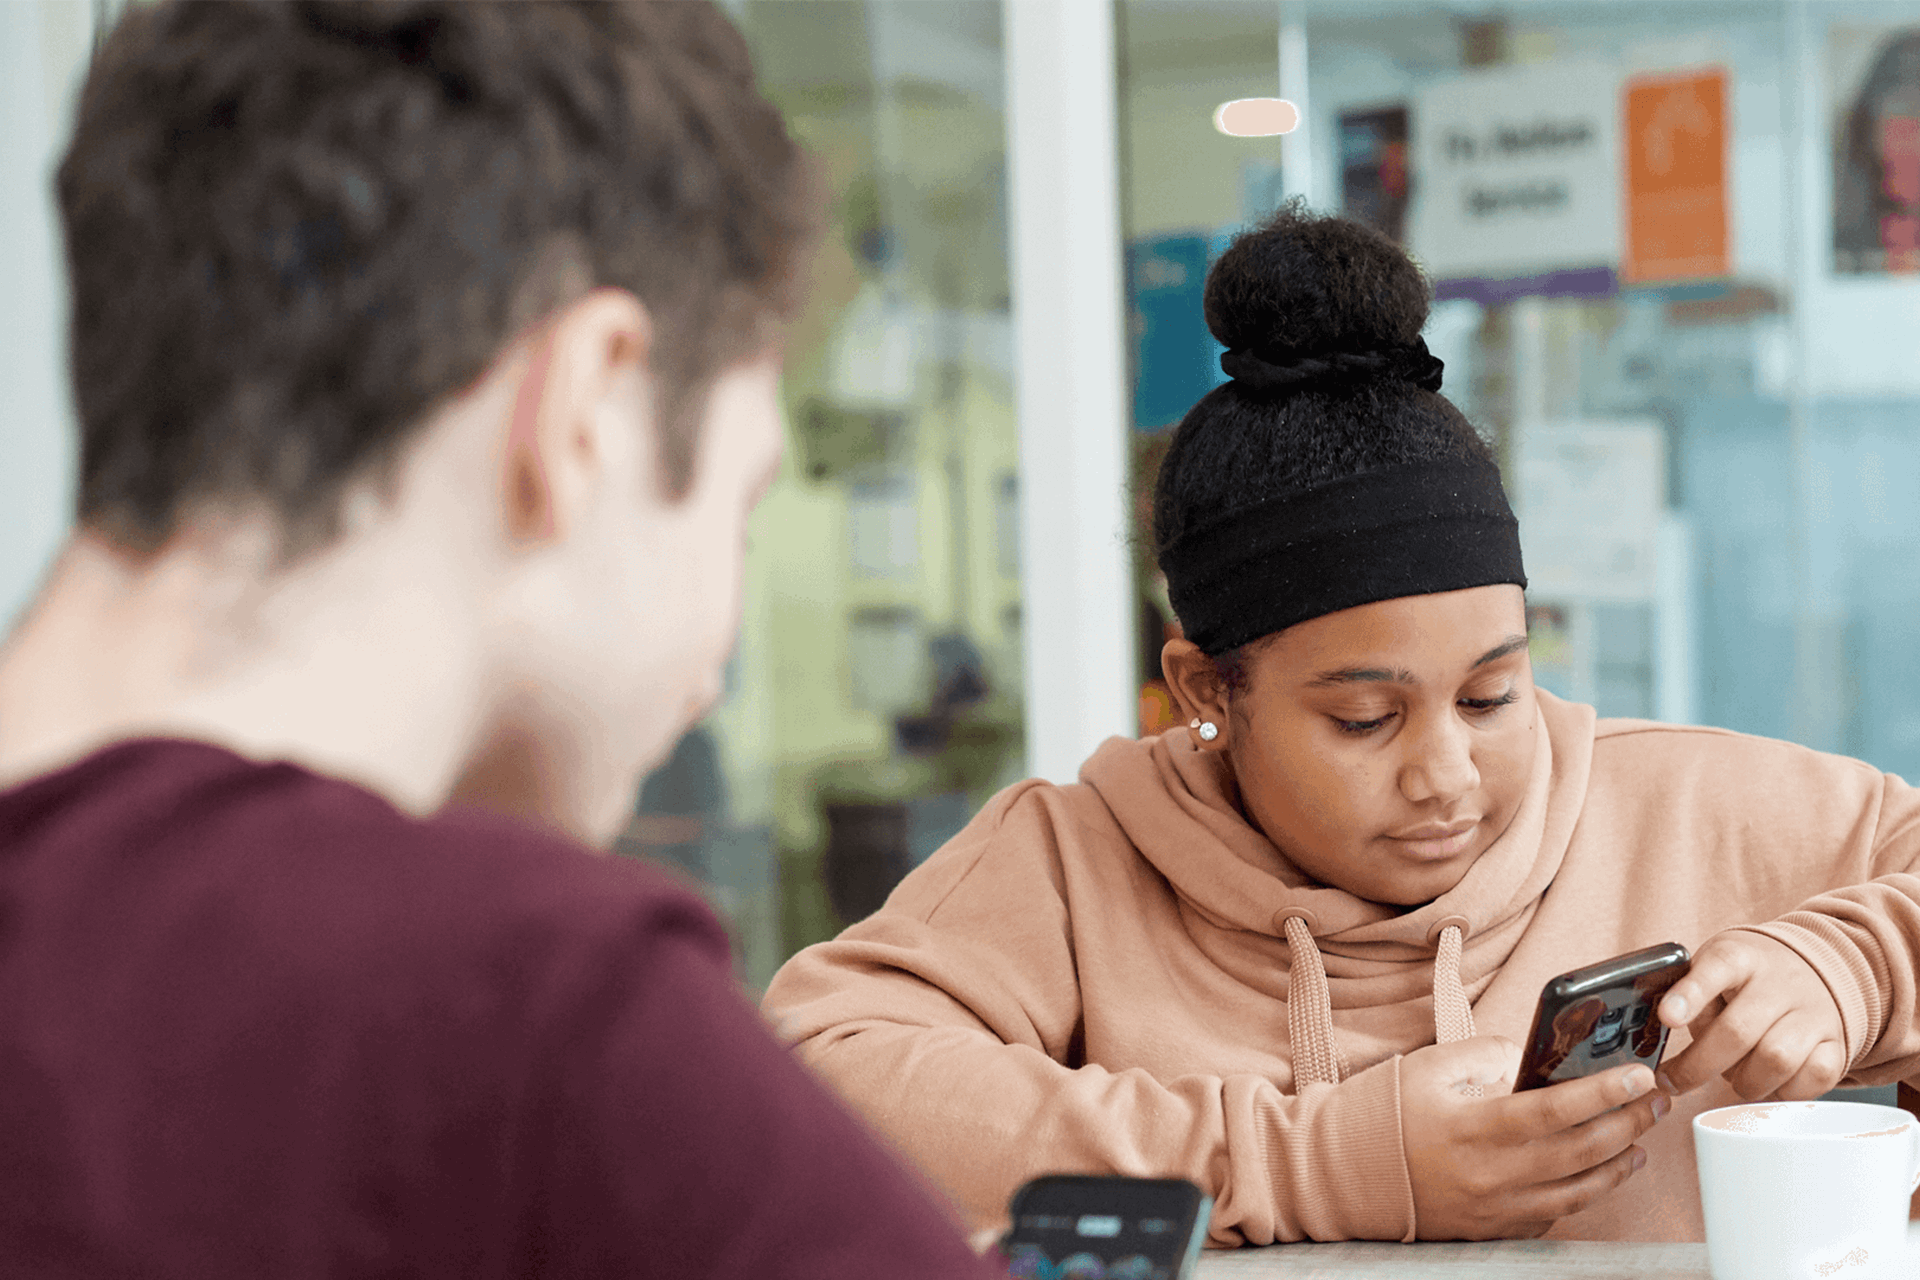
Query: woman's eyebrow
(1512,644)
(1383,675)
(1361,675)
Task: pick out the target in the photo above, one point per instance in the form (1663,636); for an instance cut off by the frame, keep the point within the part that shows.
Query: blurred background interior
(1676,247)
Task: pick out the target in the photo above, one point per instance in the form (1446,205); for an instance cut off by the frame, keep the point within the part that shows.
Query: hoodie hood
(1180,809)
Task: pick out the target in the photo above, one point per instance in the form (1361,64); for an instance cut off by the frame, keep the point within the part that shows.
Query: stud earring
(1209,731)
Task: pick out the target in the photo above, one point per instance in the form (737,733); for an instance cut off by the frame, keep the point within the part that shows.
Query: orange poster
(1676,180)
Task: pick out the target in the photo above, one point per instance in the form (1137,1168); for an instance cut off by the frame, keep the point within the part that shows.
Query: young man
(425,358)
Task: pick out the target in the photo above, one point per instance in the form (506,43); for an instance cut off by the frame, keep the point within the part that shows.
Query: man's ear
(584,358)
(1201,694)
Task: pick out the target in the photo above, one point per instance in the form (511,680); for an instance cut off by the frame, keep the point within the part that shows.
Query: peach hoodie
(1096,977)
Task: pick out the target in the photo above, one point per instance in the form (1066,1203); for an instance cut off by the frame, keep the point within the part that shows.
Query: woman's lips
(1436,842)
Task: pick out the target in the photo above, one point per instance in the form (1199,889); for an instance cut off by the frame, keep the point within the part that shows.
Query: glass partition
(1675,253)
(874,702)
(1677,273)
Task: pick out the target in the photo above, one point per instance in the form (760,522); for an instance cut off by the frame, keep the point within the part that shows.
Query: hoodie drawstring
(1310,1013)
(1316,1058)
(1452,1015)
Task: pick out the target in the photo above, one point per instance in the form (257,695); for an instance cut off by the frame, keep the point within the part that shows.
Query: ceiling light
(1256,117)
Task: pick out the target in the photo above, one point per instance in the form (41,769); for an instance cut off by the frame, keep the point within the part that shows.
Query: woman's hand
(1487,1168)
(1760,1016)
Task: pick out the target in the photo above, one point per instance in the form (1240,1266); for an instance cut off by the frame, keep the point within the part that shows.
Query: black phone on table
(1601,1016)
(1085,1227)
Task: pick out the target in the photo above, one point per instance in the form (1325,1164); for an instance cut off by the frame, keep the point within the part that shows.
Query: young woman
(1280,951)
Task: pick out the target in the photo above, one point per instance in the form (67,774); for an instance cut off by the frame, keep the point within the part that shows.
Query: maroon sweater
(255,1022)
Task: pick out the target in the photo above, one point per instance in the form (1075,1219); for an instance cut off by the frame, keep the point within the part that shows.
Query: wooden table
(1498,1259)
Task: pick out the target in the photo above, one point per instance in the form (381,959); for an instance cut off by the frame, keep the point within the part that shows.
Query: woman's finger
(1556,1200)
(1775,1060)
(1723,1038)
(1778,1056)
(1540,1113)
(1593,1143)
(1818,1075)
(1723,966)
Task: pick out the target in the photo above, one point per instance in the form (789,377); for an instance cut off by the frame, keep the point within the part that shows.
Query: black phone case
(1058,1200)
(1601,1017)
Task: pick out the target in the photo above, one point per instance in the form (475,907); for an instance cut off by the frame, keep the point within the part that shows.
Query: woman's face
(1385,747)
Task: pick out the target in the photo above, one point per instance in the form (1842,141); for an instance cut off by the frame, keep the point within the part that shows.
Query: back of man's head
(293,229)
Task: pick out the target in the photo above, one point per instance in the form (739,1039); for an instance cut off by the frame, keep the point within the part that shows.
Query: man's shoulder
(300,869)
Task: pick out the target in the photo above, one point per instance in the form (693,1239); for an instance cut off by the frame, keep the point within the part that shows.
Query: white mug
(1807,1190)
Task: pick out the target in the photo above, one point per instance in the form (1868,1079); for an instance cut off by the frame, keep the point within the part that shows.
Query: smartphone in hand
(1073,1227)
(1601,1016)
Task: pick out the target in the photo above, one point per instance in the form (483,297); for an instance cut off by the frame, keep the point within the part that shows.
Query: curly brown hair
(293,229)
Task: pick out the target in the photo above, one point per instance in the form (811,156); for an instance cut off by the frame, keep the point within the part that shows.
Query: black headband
(1409,530)
(1267,370)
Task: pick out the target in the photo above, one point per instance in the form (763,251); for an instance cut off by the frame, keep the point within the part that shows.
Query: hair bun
(1318,286)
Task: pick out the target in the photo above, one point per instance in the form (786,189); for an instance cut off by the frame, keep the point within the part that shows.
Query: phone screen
(1095,1228)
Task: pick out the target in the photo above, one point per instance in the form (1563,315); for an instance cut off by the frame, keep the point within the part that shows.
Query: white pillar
(1296,148)
(1819,690)
(1078,610)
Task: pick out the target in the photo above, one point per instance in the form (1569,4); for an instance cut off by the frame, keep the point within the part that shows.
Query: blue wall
(1736,480)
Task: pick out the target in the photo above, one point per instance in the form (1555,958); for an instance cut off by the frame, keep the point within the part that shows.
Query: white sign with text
(1516,171)
(1591,496)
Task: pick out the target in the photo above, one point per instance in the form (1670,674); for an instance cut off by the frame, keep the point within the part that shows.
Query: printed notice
(1676,177)
(1591,496)
(1518,171)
